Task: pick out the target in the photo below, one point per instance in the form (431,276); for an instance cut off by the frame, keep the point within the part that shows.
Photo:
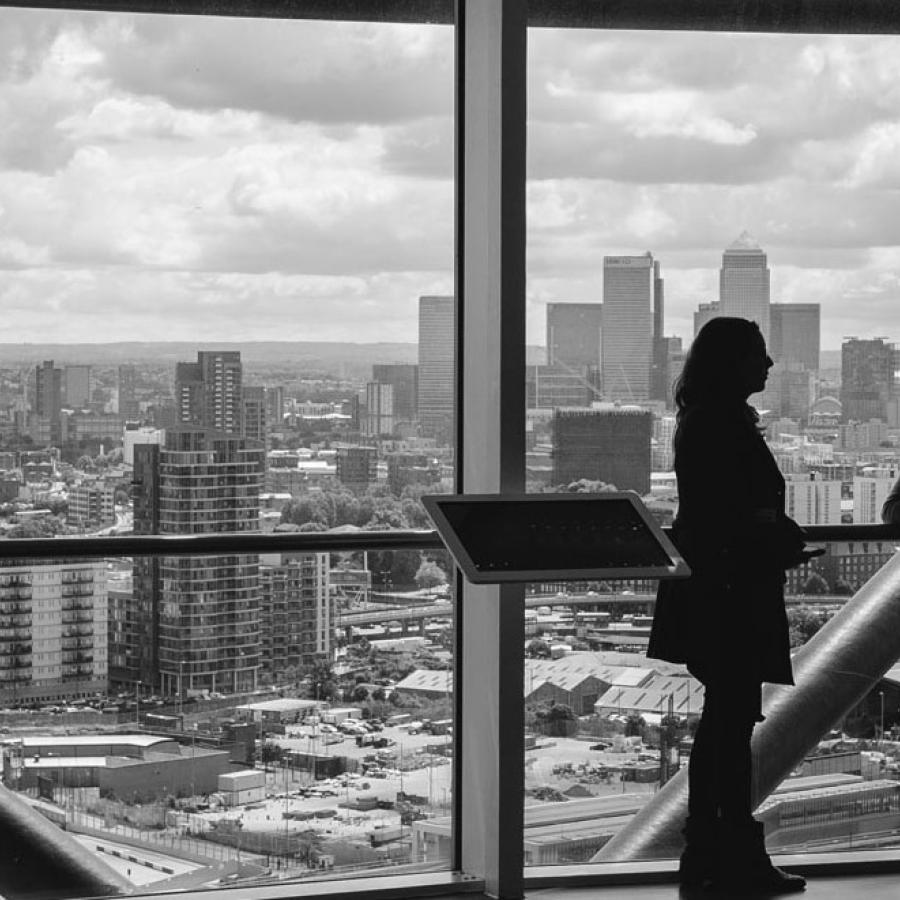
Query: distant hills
(336,356)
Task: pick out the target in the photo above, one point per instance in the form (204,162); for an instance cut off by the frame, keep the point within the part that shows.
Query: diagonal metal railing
(833,672)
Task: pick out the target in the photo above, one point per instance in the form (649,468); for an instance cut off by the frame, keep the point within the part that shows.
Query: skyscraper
(610,445)
(379,418)
(275,406)
(794,330)
(867,379)
(573,335)
(197,618)
(76,386)
(45,393)
(404,381)
(208,392)
(127,386)
(705,312)
(629,287)
(436,366)
(744,282)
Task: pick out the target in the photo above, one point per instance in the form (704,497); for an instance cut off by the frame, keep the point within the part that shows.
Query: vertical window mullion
(490,294)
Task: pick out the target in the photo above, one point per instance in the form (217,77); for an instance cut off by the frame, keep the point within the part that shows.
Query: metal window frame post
(490,410)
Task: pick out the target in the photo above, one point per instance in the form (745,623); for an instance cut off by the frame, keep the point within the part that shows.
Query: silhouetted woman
(727,622)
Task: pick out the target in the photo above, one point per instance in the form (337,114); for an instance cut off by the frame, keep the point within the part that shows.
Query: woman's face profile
(753,367)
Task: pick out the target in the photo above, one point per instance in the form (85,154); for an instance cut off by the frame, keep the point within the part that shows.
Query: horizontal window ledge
(385,887)
(665,871)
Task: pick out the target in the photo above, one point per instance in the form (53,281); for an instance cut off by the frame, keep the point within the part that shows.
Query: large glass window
(228,247)
(674,177)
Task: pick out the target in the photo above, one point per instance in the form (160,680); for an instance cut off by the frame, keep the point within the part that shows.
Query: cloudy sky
(236,180)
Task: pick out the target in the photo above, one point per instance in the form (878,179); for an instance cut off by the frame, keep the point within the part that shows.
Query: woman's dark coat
(732,531)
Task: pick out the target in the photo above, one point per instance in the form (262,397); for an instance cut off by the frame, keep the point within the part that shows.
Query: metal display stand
(517,538)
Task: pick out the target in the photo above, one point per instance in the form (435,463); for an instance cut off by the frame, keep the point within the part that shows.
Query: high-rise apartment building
(868,383)
(53,631)
(45,396)
(573,335)
(436,367)
(630,284)
(870,490)
(403,379)
(197,620)
(705,312)
(76,386)
(275,406)
(208,392)
(379,418)
(295,611)
(609,444)
(812,501)
(129,408)
(794,334)
(253,414)
(744,282)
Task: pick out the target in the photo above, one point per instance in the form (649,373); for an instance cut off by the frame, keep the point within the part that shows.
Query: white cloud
(235,178)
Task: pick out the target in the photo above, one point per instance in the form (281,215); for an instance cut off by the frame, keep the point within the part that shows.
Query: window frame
(491,36)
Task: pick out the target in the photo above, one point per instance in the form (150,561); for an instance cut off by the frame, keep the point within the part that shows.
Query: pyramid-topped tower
(744,285)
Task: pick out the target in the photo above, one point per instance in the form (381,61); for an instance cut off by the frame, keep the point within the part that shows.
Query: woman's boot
(697,866)
(745,867)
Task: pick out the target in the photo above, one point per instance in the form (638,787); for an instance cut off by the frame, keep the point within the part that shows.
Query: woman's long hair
(710,376)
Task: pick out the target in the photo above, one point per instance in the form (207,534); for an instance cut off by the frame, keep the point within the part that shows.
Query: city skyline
(154,182)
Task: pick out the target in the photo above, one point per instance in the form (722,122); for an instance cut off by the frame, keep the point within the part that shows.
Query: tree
(430,575)
(582,486)
(322,684)
(395,567)
(558,720)
(360,694)
(803,623)
(270,752)
(815,584)
(844,588)
(537,649)
(635,725)
(378,695)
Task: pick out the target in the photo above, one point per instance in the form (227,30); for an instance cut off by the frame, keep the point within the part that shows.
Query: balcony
(77,578)
(8,581)
(14,608)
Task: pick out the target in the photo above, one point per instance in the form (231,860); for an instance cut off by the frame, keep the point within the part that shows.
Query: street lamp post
(137,707)
(881,729)
(181,691)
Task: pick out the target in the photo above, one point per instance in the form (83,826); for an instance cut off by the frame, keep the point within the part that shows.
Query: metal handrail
(217,544)
(310,542)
